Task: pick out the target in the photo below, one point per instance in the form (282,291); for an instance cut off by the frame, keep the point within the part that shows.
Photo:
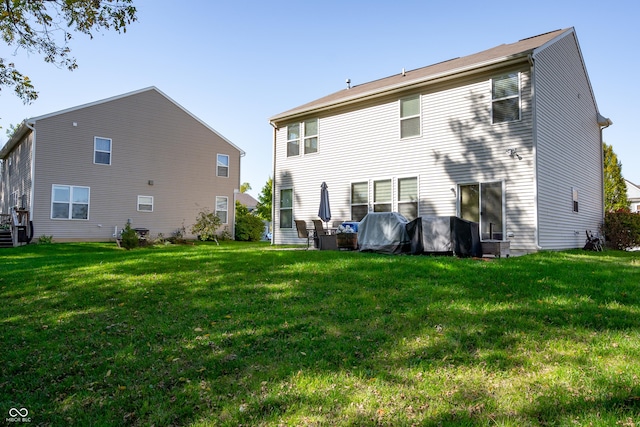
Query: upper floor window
(69,202)
(101,151)
(293,140)
(223,165)
(311,136)
(306,131)
(505,98)
(145,203)
(222,209)
(410,117)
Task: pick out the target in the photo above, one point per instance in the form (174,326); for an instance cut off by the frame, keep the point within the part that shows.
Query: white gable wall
(568,147)
(458,145)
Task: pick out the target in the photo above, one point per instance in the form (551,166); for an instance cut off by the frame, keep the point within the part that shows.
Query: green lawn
(244,334)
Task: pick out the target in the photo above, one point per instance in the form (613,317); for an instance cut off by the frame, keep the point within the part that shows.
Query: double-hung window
(293,140)
(286,208)
(410,117)
(408,197)
(505,98)
(222,209)
(222,165)
(359,200)
(311,136)
(145,203)
(69,202)
(307,132)
(382,195)
(102,150)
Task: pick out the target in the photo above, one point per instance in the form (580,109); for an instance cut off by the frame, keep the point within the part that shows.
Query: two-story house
(509,137)
(84,172)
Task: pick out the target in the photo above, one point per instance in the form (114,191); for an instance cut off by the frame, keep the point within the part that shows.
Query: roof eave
(423,81)
(17,136)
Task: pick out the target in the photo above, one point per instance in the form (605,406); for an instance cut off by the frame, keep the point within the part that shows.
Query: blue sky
(236,63)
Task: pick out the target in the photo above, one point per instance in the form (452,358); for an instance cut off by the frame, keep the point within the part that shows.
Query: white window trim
(70,217)
(302,137)
(397,199)
(519,96)
(372,192)
(280,209)
(305,137)
(145,210)
(351,204)
(419,116)
(222,210)
(95,150)
(299,138)
(218,166)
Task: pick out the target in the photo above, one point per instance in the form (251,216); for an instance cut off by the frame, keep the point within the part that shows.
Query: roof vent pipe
(348,83)
(403,73)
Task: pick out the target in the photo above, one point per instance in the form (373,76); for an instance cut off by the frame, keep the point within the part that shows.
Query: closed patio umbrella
(325,210)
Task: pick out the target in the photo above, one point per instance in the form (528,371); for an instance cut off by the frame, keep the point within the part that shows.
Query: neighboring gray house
(82,173)
(633,196)
(509,137)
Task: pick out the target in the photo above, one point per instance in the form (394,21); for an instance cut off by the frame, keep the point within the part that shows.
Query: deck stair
(5,239)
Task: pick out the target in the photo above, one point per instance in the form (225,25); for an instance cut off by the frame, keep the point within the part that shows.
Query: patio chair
(593,242)
(303,232)
(319,228)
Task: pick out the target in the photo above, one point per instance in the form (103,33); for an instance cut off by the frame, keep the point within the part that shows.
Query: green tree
(45,27)
(615,189)
(245,187)
(249,227)
(264,201)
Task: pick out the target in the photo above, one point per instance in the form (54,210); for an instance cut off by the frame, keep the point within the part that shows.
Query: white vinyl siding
(222,209)
(145,203)
(102,150)
(69,202)
(566,119)
(462,146)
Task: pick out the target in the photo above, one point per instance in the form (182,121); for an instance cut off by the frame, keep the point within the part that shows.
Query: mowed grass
(245,334)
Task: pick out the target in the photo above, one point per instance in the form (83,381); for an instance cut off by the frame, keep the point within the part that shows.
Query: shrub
(248,227)
(621,230)
(45,240)
(129,237)
(206,226)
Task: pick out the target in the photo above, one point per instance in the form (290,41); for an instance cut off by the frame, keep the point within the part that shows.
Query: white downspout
(33,168)
(534,151)
(273,185)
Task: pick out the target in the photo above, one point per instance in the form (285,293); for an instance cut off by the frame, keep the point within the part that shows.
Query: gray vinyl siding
(568,147)
(153,139)
(458,145)
(16,174)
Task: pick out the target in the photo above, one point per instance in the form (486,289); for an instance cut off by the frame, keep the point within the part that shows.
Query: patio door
(483,203)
